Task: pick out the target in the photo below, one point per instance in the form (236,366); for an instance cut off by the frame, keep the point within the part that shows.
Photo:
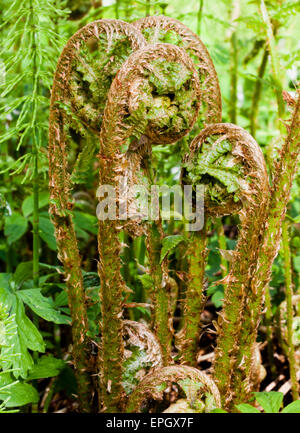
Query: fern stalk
(257,93)
(276,68)
(194,298)
(114,163)
(66,102)
(222,246)
(162,321)
(237,330)
(199,16)
(234,62)
(289,308)
(269,332)
(278,79)
(284,173)
(35,223)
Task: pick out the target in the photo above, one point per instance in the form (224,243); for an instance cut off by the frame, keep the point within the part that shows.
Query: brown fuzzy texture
(140,335)
(210,89)
(237,326)
(150,386)
(195,299)
(60,185)
(283,175)
(114,134)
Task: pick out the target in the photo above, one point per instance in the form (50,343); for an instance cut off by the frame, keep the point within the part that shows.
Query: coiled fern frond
(230,165)
(152,387)
(85,70)
(157,29)
(135,88)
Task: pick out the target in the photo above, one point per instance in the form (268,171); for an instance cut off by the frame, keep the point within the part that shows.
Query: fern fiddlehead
(154,384)
(168,30)
(151,77)
(165,29)
(283,175)
(230,164)
(83,76)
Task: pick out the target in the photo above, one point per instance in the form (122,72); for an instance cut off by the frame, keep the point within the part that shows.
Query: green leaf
(4,280)
(14,227)
(247,408)
(168,244)
(146,280)
(42,306)
(61,299)
(46,230)
(85,222)
(292,407)
(190,388)
(270,401)
(47,366)
(14,353)
(136,362)
(27,330)
(218,411)
(22,273)
(218,297)
(84,162)
(18,394)
(296,262)
(27,206)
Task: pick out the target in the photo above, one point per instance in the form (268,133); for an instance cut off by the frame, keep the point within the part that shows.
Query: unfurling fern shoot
(165,29)
(138,112)
(85,70)
(230,165)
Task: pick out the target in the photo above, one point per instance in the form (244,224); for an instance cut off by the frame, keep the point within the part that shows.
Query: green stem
(257,93)
(8,249)
(195,298)
(60,206)
(239,320)
(160,296)
(289,308)
(276,68)
(147,12)
(222,246)
(199,16)
(269,332)
(35,222)
(50,394)
(233,64)
(112,285)
(280,195)
(117,4)
(162,321)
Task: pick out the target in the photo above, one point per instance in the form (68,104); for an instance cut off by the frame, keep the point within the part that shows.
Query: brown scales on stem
(210,112)
(114,134)
(61,186)
(237,333)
